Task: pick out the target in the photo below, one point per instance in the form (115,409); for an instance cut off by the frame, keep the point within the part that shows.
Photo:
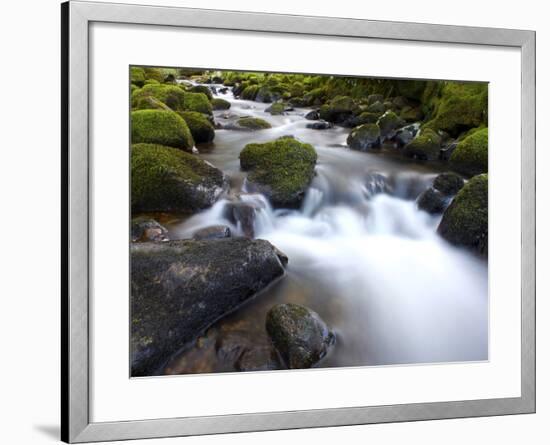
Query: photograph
(284,221)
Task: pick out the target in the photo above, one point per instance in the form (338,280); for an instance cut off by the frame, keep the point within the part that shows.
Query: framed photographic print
(276,222)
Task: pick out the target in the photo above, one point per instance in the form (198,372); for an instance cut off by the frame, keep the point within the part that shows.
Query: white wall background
(29,225)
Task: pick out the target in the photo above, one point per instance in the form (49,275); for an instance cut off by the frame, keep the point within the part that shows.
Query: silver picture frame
(77,16)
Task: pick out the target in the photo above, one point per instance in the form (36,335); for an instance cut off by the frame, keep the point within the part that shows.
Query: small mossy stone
(166,179)
(448,183)
(299,334)
(465,222)
(471,155)
(201,128)
(197,102)
(276,109)
(388,123)
(280,169)
(364,137)
(253,123)
(426,146)
(339,109)
(220,104)
(161,127)
(137,76)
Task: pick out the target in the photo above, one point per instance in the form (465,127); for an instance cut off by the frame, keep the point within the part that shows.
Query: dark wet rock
(216,79)
(388,123)
(403,137)
(339,109)
(212,232)
(376,183)
(319,125)
(364,137)
(243,215)
(223,90)
(313,115)
(376,107)
(432,201)
(447,150)
(300,336)
(448,183)
(179,288)
(166,179)
(257,359)
(425,146)
(465,222)
(147,229)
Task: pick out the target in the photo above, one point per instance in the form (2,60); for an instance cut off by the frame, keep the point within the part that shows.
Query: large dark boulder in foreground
(180,288)
(281,169)
(300,336)
(166,179)
(465,222)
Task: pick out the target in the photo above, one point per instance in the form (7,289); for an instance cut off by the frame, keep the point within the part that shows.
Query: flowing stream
(360,254)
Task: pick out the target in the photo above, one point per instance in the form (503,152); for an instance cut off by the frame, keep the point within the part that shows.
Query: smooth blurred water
(360,254)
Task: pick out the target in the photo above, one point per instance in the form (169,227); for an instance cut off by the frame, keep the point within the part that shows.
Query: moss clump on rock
(154,74)
(388,123)
(465,222)
(426,146)
(137,76)
(253,123)
(281,169)
(197,102)
(276,108)
(201,89)
(471,155)
(151,103)
(161,127)
(171,95)
(249,93)
(166,179)
(459,107)
(339,109)
(364,137)
(448,183)
(220,104)
(201,128)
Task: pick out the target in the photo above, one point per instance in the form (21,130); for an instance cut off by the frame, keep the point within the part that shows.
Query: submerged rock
(465,222)
(179,288)
(300,336)
(319,125)
(212,232)
(281,169)
(276,109)
(166,179)
(313,115)
(147,229)
(364,137)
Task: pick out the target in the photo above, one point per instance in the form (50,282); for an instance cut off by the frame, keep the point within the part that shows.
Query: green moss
(154,73)
(220,104)
(296,89)
(133,88)
(465,222)
(282,169)
(201,129)
(201,89)
(276,108)
(253,123)
(364,137)
(249,93)
(168,179)
(366,117)
(339,109)
(150,103)
(171,95)
(426,146)
(471,155)
(389,122)
(315,97)
(137,76)
(197,102)
(161,127)
(411,114)
(461,106)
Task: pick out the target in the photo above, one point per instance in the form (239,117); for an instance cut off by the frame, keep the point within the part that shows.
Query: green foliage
(465,222)
(253,123)
(282,168)
(426,146)
(166,179)
(137,76)
(197,102)
(161,127)
(201,128)
(471,156)
(220,104)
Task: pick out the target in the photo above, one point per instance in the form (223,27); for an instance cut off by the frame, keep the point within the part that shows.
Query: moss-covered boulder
(276,109)
(471,155)
(269,93)
(201,89)
(201,128)
(432,201)
(388,123)
(460,107)
(300,336)
(448,183)
(137,76)
(171,95)
(365,117)
(364,137)
(339,109)
(376,107)
(161,127)
(411,114)
(280,169)
(316,96)
(197,102)
(465,222)
(153,73)
(151,82)
(253,123)
(425,146)
(250,92)
(220,104)
(166,179)
(151,103)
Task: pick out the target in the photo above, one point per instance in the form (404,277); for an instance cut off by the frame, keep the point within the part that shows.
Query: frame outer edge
(76,401)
